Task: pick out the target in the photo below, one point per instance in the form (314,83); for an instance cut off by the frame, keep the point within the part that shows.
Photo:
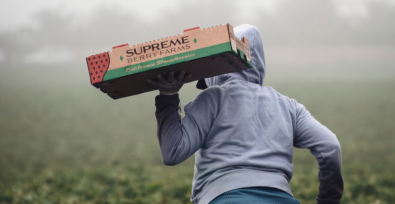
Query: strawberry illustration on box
(208,52)
(98,65)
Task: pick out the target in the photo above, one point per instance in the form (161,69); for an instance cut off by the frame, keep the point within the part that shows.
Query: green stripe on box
(248,63)
(166,61)
(242,54)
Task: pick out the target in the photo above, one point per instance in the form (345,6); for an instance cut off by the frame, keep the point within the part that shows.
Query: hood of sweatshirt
(256,74)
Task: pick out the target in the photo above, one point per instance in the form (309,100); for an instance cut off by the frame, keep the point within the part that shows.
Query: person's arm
(169,129)
(323,144)
(180,138)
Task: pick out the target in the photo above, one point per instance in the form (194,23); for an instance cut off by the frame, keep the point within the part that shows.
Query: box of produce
(208,52)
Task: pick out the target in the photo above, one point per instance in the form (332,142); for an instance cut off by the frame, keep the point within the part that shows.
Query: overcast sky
(15,14)
(67,30)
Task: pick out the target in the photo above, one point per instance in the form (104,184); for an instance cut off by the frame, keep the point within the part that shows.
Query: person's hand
(171,85)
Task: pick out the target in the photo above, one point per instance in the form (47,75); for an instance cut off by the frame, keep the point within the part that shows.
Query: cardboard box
(205,53)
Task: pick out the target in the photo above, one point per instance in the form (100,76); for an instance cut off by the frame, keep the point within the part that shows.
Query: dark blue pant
(255,195)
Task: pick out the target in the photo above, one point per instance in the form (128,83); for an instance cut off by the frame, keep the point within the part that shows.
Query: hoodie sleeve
(323,144)
(180,138)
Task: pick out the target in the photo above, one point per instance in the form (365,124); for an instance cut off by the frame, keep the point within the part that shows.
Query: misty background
(64,141)
(293,32)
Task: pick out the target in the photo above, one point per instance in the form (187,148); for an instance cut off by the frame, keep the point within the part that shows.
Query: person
(242,135)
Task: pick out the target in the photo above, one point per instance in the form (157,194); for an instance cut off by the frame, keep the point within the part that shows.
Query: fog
(293,32)
(64,141)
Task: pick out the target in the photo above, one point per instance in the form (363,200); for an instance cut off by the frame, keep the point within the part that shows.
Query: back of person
(243,136)
(250,141)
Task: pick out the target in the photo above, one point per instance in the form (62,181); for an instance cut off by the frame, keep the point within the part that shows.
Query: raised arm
(323,144)
(180,138)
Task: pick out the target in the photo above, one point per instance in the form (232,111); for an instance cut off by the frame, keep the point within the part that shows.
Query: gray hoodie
(243,134)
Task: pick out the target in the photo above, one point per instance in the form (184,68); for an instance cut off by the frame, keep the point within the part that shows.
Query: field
(63,141)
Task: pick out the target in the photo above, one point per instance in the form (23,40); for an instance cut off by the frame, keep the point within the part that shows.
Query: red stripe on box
(192,29)
(120,46)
